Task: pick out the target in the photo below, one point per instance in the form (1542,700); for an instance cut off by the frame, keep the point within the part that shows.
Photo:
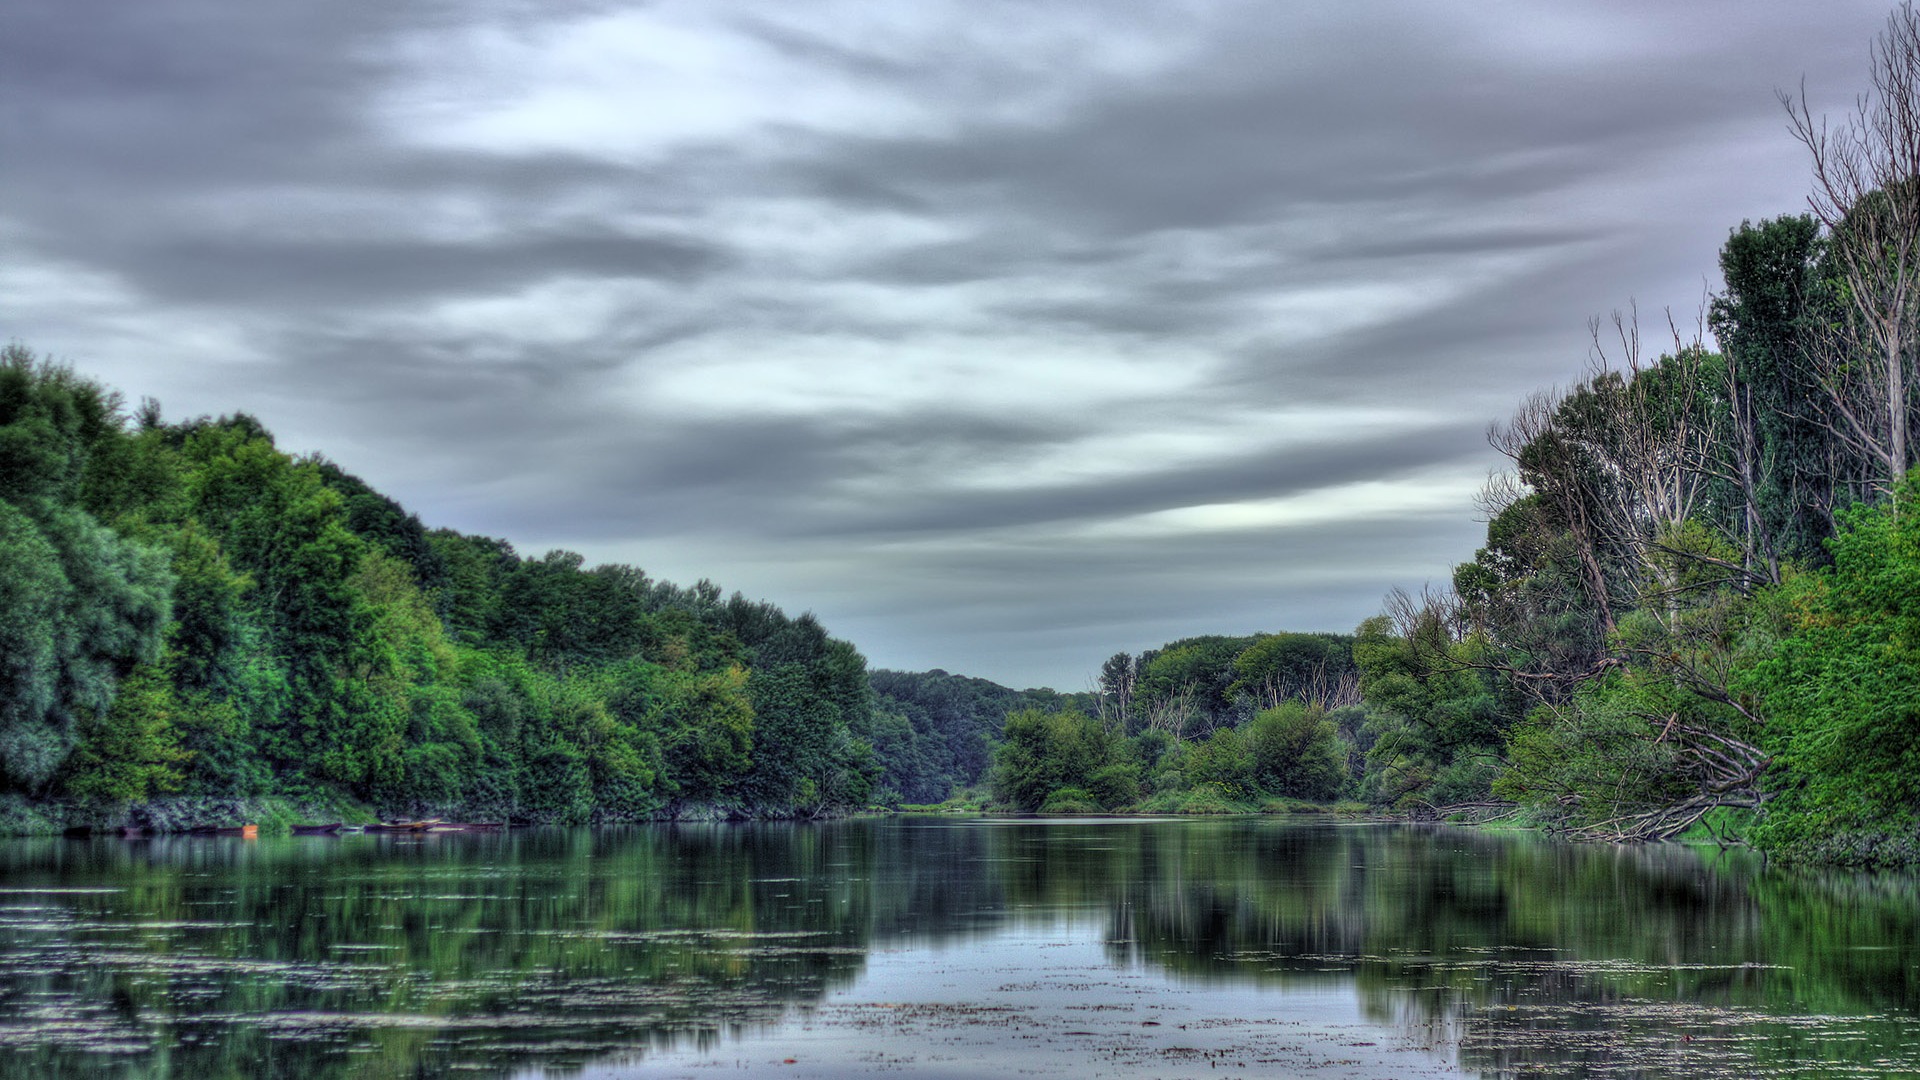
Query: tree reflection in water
(389,955)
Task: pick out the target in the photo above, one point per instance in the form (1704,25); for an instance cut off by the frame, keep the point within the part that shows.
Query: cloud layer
(1003,336)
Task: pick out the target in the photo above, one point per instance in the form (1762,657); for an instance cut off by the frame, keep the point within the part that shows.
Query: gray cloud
(383,272)
(1271,474)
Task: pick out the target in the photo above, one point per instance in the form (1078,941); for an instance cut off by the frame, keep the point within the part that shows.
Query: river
(938,947)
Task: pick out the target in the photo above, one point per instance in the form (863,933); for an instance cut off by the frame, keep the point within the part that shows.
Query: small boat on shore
(403,826)
(248,832)
(436,825)
(317,830)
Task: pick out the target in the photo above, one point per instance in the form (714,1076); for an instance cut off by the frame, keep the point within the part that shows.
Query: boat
(403,826)
(317,830)
(248,832)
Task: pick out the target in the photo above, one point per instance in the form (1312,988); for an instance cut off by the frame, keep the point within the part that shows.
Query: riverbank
(20,817)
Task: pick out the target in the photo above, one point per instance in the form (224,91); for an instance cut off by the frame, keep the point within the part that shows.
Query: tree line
(1211,724)
(194,621)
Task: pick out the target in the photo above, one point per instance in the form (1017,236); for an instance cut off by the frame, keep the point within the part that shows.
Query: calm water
(946,948)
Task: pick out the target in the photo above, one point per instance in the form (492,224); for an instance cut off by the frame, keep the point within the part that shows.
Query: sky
(1002,335)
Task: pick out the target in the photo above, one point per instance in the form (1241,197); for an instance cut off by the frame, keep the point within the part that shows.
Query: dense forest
(197,625)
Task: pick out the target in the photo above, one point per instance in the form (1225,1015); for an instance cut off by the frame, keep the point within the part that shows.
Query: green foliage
(1592,762)
(1296,752)
(133,751)
(1042,753)
(1282,667)
(951,723)
(1221,763)
(1115,784)
(1431,702)
(1183,686)
(1071,800)
(1842,686)
(1527,590)
(705,722)
(32,592)
(1203,800)
(1765,322)
(322,645)
(79,606)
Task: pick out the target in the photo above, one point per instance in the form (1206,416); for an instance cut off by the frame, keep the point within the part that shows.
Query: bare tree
(1551,465)
(1866,192)
(1175,715)
(1663,436)
(1114,691)
(1749,468)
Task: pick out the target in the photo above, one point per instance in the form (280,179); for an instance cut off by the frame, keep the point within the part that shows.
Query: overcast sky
(1003,336)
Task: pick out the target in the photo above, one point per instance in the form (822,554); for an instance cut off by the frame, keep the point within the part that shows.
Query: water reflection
(394,955)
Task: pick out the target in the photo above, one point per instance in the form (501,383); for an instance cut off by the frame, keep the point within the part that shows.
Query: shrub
(1070,801)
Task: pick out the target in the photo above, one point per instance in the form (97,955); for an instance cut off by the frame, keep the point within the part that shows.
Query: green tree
(79,607)
(1782,461)
(132,752)
(1042,753)
(1840,676)
(1223,762)
(1182,686)
(1437,709)
(1296,752)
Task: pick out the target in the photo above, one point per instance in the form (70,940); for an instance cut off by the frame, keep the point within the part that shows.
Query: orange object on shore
(245,832)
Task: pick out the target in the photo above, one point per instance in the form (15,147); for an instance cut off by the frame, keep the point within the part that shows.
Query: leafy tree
(403,690)
(1782,460)
(387,526)
(1436,706)
(1182,687)
(1839,671)
(1042,753)
(469,596)
(1867,195)
(1222,762)
(705,722)
(132,752)
(956,718)
(1296,752)
(79,607)
(1307,667)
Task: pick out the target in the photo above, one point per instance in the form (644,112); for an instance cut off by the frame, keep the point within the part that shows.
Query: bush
(1044,753)
(1222,763)
(1116,785)
(1297,753)
(1842,691)
(1070,801)
(1210,798)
